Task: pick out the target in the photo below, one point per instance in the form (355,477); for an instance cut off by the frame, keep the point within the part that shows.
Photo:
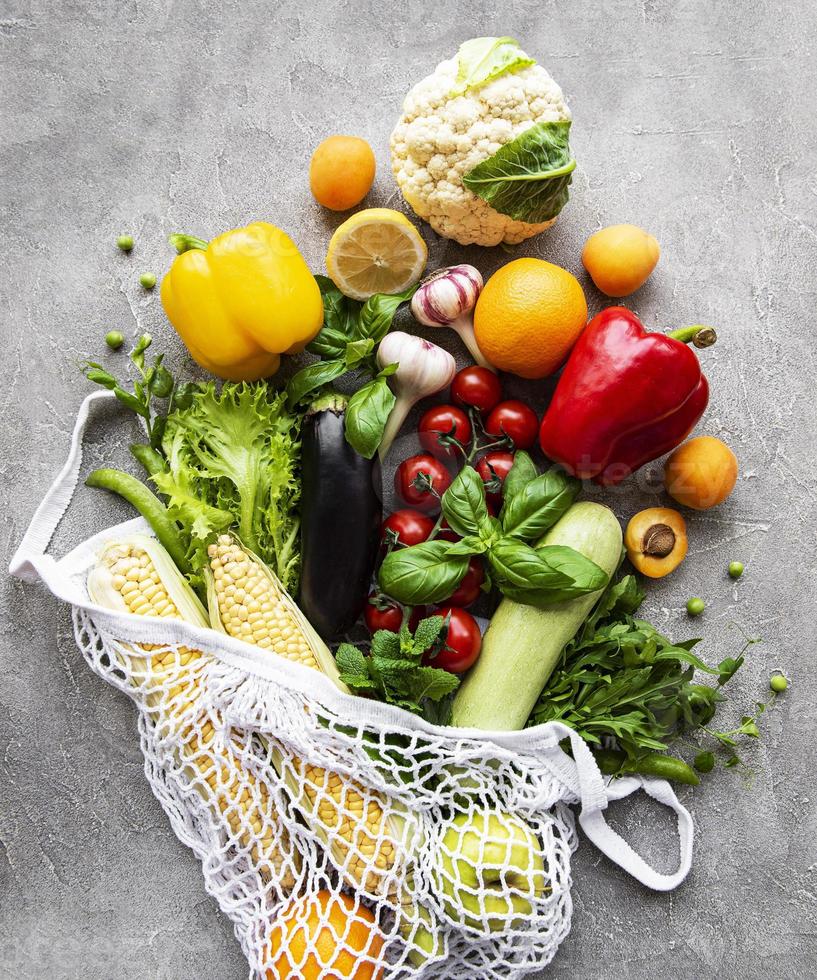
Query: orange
(341,172)
(320,932)
(528,316)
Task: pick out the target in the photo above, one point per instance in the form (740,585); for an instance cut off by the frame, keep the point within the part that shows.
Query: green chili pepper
(654,764)
(147,456)
(148,505)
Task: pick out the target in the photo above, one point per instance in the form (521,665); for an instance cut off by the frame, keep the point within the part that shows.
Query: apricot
(341,172)
(656,541)
(620,259)
(701,473)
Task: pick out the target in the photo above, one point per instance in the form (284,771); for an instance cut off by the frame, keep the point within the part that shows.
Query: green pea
(148,280)
(695,606)
(704,761)
(114,339)
(735,569)
(778,683)
(125,242)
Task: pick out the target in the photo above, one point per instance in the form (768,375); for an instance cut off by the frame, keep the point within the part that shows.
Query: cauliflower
(442,136)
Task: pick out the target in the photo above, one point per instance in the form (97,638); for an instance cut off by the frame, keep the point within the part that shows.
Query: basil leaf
(378,313)
(313,376)
(523,471)
(463,503)
(482,59)
(562,574)
(340,317)
(528,178)
(425,572)
(366,416)
(539,504)
(357,351)
(519,569)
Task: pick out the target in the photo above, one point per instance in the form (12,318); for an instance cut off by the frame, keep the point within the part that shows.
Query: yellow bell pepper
(242,300)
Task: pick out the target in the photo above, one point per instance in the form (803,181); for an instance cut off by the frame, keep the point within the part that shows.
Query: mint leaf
(427,633)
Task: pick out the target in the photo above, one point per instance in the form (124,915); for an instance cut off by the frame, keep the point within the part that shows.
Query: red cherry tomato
(445,420)
(390,616)
(493,468)
(514,419)
(463,642)
(469,589)
(415,471)
(410,526)
(476,387)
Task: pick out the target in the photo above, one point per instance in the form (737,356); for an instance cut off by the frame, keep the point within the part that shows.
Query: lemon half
(375,251)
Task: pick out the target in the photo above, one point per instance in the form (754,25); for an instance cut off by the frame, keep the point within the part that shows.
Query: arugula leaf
(528,178)
(427,572)
(463,503)
(366,416)
(538,504)
(482,59)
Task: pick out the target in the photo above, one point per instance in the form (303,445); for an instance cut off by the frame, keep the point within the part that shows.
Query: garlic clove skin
(447,298)
(446,295)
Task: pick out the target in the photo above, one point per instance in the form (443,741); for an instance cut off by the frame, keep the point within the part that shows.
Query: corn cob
(137,576)
(247,601)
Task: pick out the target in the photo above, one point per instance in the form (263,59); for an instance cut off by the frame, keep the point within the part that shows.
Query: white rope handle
(595,797)
(30,560)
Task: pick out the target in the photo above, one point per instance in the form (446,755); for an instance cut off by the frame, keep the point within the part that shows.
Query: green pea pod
(538,504)
(654,764)
(463,503)
(149,506)
(427,572)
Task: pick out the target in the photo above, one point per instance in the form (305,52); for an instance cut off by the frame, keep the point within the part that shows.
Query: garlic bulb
(423,369)
(447,298)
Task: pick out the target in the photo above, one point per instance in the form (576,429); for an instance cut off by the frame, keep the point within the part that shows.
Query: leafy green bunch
(621,679)
(348,339)
(534,575)
(395,671)
(220,459)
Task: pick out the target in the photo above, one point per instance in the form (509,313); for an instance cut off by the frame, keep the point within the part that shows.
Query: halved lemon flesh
(375,251)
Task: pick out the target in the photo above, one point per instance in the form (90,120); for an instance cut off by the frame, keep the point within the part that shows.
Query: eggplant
(341,512)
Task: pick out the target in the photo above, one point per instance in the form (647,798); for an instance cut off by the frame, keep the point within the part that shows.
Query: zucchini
(522,644)
(340,521)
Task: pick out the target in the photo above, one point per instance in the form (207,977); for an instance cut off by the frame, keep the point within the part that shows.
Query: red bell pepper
(625,397)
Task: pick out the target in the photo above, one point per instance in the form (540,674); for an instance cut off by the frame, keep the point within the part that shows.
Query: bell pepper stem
(698,335)
(184,243)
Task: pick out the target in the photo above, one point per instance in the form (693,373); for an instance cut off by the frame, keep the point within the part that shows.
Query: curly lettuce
(232,461)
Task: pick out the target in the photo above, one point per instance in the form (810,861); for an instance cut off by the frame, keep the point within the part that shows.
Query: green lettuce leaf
(528,178)
(232,461)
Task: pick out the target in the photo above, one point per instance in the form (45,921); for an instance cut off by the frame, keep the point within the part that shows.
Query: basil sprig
(431,571)
(347,342)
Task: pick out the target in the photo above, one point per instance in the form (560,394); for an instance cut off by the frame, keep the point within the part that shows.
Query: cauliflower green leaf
(482,59)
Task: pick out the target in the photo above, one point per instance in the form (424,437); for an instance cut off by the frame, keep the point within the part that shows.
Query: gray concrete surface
(693,119)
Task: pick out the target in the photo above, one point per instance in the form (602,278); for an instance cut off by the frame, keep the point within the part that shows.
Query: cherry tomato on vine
(410,526)
(493,467)
(415,475)
(514,419)
(476,387)
(470,588)
(382,613)
(449,422)
(463,641)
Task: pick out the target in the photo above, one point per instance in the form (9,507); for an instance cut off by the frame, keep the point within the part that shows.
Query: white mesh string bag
(341,836)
